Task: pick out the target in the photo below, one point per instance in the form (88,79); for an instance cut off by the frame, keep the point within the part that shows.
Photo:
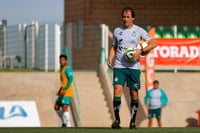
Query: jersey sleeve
(146,98)
(114,41)
(68,72)
(144,35)
(69,75)
(164,99)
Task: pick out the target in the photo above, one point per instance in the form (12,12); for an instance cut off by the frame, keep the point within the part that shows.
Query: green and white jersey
(156,98)
(125,38)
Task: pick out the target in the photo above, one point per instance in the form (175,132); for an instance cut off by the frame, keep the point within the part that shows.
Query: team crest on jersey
(116,79)
(136,85)
(134,34)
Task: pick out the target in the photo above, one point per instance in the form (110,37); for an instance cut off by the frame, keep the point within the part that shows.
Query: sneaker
(116,125)
(64,125)
(132,126)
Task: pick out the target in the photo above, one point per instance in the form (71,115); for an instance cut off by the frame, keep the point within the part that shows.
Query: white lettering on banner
(150,76)
(174,51)
(164,51)
(184,52)
(177,52)
(155,51)
(150,60)
(194,52)
(149,70)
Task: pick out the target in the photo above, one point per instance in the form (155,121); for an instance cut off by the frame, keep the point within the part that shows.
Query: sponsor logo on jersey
(120,48)
(136,85)
(116,79)
(134,34)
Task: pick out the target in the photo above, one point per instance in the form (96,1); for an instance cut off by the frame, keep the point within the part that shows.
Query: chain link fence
(30,46)
(38,46)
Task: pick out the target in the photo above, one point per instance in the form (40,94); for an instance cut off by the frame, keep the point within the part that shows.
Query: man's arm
(69,75)
(111,55)
(164,101)
(144,51)
(150,41)
(146,98)
(151,45)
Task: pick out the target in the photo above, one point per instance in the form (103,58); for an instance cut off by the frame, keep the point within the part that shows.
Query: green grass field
(18,70)
(99,130)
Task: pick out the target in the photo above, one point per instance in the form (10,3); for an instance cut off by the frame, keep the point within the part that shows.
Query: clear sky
(25,11)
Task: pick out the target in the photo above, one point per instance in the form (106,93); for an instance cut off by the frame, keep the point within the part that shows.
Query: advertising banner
(176,52)
(149,61)
(19,114)
(150,73)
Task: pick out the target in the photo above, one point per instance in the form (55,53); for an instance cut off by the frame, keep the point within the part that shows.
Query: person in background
(155,100)
(65,92)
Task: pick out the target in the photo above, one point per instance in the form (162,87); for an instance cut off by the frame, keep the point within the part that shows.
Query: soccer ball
(129,54)
(142,44)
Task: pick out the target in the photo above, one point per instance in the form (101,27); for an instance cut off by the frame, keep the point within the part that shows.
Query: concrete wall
(39,87)
(182,90)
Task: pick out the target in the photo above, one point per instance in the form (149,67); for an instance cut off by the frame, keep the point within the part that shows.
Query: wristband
(142,52)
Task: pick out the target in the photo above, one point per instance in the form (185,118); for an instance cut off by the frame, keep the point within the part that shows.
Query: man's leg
(66,114)
(133,82)
(58,111)
(134,107)
(150,122)
(159,123)
(119,79)
(118,89)
(151,113)
(158,116)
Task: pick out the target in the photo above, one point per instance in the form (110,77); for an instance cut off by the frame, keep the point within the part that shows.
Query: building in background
(151,12)
(85,50)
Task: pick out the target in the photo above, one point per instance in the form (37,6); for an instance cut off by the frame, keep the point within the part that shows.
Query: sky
(26,11)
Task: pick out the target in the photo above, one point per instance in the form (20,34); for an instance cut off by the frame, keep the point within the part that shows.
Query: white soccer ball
(129,54)
(142,44)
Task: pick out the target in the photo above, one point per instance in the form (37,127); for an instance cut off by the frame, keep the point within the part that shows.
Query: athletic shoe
(64,125)
(132,125)
(116,125)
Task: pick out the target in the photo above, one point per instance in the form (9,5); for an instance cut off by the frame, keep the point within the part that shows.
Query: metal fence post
(5,37)
(25,44)
(20,43)
(33,44)
(36,44)
(69,33)
(57,46)
(46,47)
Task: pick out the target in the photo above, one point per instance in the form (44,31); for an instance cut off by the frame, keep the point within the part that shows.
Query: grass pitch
(18,70)
(99,130)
